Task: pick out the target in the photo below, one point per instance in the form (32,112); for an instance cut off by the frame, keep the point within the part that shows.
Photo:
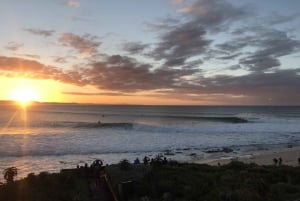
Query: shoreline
(289,157)
(261,155)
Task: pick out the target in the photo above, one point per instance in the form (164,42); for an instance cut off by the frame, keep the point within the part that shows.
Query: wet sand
(264,157)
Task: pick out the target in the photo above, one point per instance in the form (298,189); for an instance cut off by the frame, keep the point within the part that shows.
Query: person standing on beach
(275,161)
(146,160)
(279,161)
(137,161)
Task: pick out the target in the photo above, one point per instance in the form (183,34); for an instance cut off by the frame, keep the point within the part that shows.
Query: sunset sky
(217,52)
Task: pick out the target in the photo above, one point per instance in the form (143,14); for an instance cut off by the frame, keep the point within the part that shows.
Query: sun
(24,95)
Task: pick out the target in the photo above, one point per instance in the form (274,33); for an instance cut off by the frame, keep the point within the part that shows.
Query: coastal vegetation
(46,187)
(235,181)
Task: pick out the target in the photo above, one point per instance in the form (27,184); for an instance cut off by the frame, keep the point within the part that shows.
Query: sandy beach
(263,157)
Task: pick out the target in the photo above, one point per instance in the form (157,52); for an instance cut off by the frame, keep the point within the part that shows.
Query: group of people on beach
(158,159)
(279,161)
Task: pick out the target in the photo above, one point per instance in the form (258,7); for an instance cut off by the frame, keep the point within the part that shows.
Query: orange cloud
(18,67)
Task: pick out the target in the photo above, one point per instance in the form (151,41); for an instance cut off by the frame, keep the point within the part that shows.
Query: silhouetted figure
(137,161)
(146,160)
(279,161)
(165,161)
(86,170)
(299,161)
(275,161)
(97,167)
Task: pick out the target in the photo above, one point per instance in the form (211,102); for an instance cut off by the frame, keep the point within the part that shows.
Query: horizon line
(128,104)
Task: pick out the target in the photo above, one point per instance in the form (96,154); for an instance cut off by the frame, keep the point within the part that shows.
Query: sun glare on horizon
(24,95)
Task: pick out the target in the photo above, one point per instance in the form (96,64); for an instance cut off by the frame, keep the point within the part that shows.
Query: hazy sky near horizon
(152,52)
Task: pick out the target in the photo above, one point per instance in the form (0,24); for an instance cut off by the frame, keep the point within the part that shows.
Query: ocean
(49,137)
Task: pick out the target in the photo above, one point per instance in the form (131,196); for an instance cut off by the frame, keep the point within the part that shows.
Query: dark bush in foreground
(233,182)
(46,187)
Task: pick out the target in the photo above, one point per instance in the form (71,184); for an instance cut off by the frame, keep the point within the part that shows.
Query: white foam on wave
(145,138)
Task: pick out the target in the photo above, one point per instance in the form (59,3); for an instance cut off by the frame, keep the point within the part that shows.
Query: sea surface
(49,137)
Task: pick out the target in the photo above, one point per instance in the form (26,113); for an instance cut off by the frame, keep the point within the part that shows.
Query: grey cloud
(184,39)
(86,44)
(214,13)
(229,57)
(268,41)
(260,62)
(234,45)
(194,64)
(276,43)
(41,32)
(14,46)
(268,44)
(276,18)
(175,61)
(135,47)
(164,24)
(181,43)
(125,74)
(271,45)
(234,67)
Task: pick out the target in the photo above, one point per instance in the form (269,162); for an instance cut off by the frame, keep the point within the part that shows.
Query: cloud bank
(184,63)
